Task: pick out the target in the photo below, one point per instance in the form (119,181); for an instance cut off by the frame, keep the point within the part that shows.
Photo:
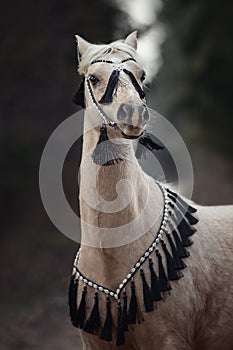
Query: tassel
(107,152)
(163,281)
(134,313)
(172,273)
(148,302)
(73,289)
(135,84)
(78,97)
(125,316)
(82,309)
(93,323)
(179,264)
(106,333)
(181,251)
(154,290)
(107,97)
(183,210)
(120,326)
(147,142)
(190,208)
(182,223)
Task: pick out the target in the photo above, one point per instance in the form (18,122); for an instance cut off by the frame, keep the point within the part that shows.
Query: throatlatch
(109,152)
(170,243)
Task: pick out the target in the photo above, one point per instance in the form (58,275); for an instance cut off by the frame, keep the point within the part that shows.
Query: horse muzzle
(132,119)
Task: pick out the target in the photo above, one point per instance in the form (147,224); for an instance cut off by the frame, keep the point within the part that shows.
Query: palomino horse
(126,288)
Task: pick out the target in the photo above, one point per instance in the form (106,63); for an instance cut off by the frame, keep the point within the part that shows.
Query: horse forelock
(95,52)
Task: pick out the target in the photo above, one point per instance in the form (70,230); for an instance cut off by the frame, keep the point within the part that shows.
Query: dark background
(193,89)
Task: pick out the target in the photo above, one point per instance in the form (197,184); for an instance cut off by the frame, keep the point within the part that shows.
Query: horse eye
(93,79)
(143,77)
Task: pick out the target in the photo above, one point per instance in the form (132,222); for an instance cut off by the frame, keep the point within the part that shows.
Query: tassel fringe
(73,290)
(155,291)
(120,326)
(148,302)
(107,152)
(106,333)
(163,281)
(134,313)
(93,323)
(172,272)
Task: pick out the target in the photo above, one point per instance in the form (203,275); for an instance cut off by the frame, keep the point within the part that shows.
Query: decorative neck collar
(170,243)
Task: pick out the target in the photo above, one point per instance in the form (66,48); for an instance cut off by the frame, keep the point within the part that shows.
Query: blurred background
(187,46)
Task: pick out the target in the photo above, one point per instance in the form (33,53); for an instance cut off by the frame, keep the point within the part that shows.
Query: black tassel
(78,97)
(120,326)
(107,97)
(189,207)
(148,302)
(93,323)
(106,333)
(181,251)
(183,224)
(184,210)
(163,281)
(179,264)
(135,83)
(147,142)
(154,290)
(73,289)
(134,313)
(125,309)
(186,241)
(107,152)
(191,219)
(82,309)
(172,273)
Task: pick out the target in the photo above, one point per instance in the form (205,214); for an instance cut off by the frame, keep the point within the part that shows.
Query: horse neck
(111,197)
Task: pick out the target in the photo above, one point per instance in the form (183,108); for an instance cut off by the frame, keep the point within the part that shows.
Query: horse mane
(95,52)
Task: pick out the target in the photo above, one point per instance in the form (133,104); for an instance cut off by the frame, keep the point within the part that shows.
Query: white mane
(95,52)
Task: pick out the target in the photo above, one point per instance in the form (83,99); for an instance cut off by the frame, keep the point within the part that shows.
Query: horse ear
(82,45)
(131,40)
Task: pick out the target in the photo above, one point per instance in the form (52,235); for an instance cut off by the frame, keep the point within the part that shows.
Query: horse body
(198,312)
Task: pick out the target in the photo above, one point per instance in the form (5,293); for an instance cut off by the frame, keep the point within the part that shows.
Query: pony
(126,288)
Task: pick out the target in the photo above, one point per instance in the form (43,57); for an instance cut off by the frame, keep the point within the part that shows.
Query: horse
(141,286)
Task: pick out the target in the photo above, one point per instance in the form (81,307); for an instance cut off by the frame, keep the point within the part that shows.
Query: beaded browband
(175,228)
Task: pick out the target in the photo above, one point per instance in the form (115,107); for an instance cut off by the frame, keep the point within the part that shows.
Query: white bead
(146,254)
(129,275)
(101,289)
(81,278)
(155,243)
(85,280)
(124,281)
(90,283)
(157,240)
(160,236)
(112,294)
(106,291)
(151,249)
(138,265)
(117,291)
(133,270)
(121,285)
(95,286)
(161,232)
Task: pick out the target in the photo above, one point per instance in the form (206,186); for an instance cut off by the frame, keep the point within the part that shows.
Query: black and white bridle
(107,98)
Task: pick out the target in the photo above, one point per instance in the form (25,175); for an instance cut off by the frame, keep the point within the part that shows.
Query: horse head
(113,83)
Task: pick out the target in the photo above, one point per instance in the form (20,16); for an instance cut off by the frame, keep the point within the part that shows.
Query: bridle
(110,153)
(118,66)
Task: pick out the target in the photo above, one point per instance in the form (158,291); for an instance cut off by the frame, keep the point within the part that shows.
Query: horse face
(125,104)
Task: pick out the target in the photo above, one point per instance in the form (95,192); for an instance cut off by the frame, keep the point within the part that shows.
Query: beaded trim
(116,294)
